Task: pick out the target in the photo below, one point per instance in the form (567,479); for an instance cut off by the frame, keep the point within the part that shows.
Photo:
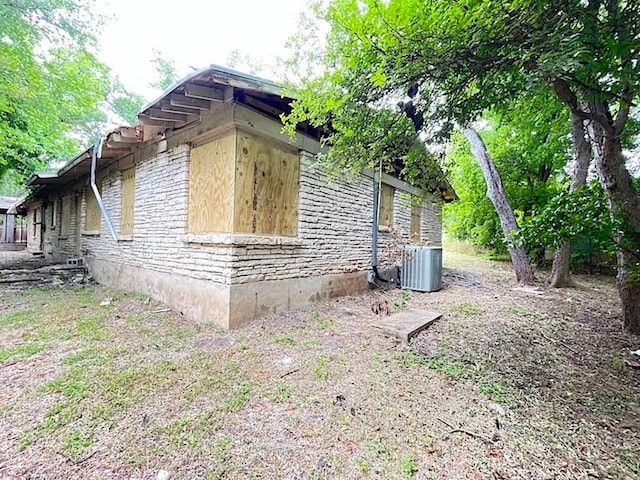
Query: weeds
(21,351)
(382,449)
(286,340)
(320,370)
(409,467)
(497,392)
(468,309)
(240,398)
(617,363)
(322,322)
(76,443)
(524,312)
(402,302)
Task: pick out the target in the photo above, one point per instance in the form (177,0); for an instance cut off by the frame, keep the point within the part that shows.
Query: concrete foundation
(227,306)
(198,300)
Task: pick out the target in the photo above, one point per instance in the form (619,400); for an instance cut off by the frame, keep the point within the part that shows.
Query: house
(209,207)
(12,229)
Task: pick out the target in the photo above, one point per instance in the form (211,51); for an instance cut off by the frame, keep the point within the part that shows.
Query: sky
(192,34)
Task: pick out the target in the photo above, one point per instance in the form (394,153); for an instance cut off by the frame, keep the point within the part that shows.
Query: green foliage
(529,144)
(320,370)
(51,85)
(166,70)
(583,214)
(466,309)
(392,67)
(402,302)
(124,103)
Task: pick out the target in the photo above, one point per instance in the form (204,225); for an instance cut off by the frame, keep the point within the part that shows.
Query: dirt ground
(509,384)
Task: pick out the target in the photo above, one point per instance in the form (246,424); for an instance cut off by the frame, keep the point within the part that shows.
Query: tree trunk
(624,204)
(560,270)
(497,195)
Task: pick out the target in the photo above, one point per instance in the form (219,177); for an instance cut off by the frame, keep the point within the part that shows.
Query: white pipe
(97,153)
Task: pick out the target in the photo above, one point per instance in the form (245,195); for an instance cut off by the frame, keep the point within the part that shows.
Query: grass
(617,363)
(467,309)
(320,370)
(526,312)
(286,340)
(322,321)
(21,351)
(153,391)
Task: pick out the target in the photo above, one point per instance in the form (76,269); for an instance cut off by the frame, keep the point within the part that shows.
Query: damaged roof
(182,104)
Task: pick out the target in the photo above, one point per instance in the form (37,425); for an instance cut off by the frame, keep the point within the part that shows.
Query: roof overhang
(181,105)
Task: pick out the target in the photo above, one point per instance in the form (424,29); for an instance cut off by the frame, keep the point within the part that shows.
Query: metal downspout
(377,184)
(374,232)
(97,153)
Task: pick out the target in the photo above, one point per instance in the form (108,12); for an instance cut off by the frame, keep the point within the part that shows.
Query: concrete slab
(407,324)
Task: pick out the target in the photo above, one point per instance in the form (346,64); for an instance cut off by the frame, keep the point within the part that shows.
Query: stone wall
(335,231)
(232,280)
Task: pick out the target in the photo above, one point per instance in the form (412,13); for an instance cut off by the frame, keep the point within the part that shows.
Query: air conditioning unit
(421,268)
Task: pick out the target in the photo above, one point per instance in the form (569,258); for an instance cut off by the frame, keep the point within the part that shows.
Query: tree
(530,146)
(577,214)
(497,195)
(463,57)
(560,270)
(125,104)
(51,85)
(601,86)
(166,70)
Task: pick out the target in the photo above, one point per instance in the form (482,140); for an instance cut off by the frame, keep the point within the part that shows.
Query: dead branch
(484,439)
(290,372)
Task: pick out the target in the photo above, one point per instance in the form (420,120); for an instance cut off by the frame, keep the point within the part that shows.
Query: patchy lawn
(509,384)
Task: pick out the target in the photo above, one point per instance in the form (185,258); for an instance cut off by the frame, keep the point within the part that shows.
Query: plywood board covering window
(267,188)
(416,220)
(92,216)
(211,192)
(54,213)
(65,220)
(385,212)
(128,201)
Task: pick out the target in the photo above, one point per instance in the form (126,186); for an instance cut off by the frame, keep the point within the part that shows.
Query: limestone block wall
(233,281)
(160,222)
(60,245)
(334,228)
(334,231)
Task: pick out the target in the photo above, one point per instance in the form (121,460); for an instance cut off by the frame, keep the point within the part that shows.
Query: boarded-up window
(385,212)
(54,213)
(65,220)
(241,184)
(416,220)
(266,189)
(92,214)
(128,201)
(211,179)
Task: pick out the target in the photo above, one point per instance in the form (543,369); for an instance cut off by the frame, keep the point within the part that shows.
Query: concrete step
(407,324)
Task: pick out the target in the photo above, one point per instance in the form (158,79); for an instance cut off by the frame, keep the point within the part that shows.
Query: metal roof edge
(234,78)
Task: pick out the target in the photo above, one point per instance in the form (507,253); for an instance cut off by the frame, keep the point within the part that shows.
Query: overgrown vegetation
(122,391)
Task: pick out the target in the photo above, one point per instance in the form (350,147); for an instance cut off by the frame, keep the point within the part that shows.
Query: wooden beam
(107,150)
(260,124)
(167,107)
(147,120)
(205,93)
(158,114)
(263,106)
(119,138)
(128,132)
(181,101)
